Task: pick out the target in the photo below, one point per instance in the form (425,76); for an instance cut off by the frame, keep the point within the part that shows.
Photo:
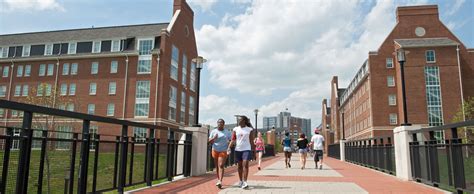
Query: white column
(199,150)
(402,137)
(342,147)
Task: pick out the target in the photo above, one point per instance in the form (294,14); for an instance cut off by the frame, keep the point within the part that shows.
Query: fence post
(6,159)
(189,143)
(84,160)
(123,158)
(402,137)
(25,154)
(44,136)
(457,161)
(170,157)
(150,157)
(342,147)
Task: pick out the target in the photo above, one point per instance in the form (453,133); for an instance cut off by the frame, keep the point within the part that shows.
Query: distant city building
(284,121)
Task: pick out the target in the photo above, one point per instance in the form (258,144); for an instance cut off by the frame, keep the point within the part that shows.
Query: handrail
(75,115)
(444,127)
(372,138)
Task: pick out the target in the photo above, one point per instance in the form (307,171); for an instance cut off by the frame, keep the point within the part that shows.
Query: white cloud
(29,5)
(455,7)
(294,46)
(205,5)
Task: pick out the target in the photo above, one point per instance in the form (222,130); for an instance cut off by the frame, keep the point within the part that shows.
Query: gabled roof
(425,42)
(84,34)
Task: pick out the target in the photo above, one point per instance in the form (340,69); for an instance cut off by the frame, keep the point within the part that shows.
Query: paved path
(336,177)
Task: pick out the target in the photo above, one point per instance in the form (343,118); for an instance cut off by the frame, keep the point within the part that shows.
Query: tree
(466,113)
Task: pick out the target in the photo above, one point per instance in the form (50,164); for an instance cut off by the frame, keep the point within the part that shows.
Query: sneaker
(241,183)
(289,165)
(245,185)
(219,184)
(259,168)
(320,167)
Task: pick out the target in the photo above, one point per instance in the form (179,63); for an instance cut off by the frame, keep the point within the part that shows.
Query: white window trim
(137,44)
(92,65)
(91,93)
(24,71)
(390,119)
(115,92)
(2,49)
(386,63)
(45,46)
(94,44)
(113,112)
(75,89)
(434,55)
(395,104)
(77,69)
(116,70)
(388,83)
(144,58)
(24,49)
(69,48)
(89,105)
(112,45)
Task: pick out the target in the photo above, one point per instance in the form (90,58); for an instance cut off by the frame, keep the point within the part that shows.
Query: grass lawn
(59,162)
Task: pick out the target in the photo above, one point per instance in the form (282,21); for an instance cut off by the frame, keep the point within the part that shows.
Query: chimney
(405,12)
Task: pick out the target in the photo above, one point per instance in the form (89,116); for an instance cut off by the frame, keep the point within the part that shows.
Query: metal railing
(377,153)
(334,151)
(449,163)
(54,161)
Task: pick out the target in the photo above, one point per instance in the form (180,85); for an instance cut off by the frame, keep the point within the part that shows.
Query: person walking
(286,142)
(302,144)
(243,137)
(317,142)
(219,138)
(259,147)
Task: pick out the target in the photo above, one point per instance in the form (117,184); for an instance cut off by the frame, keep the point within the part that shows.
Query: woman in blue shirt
(219,138)
(287,149)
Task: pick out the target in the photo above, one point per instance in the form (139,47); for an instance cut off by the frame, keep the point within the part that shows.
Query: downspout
(156,85)
(9,90)
(125,87)
(460,85)
(56,83)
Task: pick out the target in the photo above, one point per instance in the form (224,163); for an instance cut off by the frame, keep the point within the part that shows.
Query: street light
(256,114)
(401,60)
(199,61)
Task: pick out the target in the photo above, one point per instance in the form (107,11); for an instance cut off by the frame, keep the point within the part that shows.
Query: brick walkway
(336,177)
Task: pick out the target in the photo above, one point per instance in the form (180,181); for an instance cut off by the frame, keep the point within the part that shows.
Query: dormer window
(26,51)
(48,50)
(115,47)
(96,47)
(72,48)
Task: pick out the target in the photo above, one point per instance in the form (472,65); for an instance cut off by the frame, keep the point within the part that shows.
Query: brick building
(141,73)
(439,73)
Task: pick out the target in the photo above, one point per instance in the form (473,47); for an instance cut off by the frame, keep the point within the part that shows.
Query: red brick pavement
(370,180)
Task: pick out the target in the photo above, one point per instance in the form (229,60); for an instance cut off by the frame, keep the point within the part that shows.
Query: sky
(265,54)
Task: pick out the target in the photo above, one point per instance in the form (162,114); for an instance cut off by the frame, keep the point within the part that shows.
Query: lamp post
(199,61)
(401,60)
(256,116)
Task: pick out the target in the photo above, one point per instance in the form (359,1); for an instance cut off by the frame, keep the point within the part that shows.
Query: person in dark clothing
(302,144)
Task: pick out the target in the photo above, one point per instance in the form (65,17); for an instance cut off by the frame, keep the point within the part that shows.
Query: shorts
(303,151)
(259,151)
(215,154)
(287,149)
(243,155)
(318,155)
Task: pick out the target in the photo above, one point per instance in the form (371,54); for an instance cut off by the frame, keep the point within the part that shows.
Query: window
(144,66)
(183,107)
(390,81)
(172,103)
(3,52)
(93,130)
(25,90)
(112,88)
(42,70)
(193,77)
(50,70)
(40,90)
(63,91)
(184,69)
(74,69)
(142,99)
(115,46)
(70,107)
(389,63)
(91,109)
(191,110)
(113,67)
(72,89)
(19,71)
(72,48)
(3,91)
(48,49)
(145,46)
(48,89)
(5,71)
(393,119)
(2,112)
(139,134)
(92,89)
(110,109)
(96,47)
(63,132)
(27,70)
(392,100)
(62,107)
(430,56)
(174,63)
(17,90)
(66,69)
(433,98)
(26,51)
(95,67)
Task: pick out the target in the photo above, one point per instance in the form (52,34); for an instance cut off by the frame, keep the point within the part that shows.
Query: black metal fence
(334,151)
(63,161)
(377,153)
(449,163)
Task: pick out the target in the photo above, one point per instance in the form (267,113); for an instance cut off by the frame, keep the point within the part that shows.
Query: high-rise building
(284,121)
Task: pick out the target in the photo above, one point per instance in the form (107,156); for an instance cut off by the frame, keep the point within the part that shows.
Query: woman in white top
(242,137)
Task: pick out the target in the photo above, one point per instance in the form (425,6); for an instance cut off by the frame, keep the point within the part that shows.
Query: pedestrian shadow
(255,187)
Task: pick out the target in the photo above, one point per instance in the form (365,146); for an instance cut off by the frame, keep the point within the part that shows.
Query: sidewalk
(335,177)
